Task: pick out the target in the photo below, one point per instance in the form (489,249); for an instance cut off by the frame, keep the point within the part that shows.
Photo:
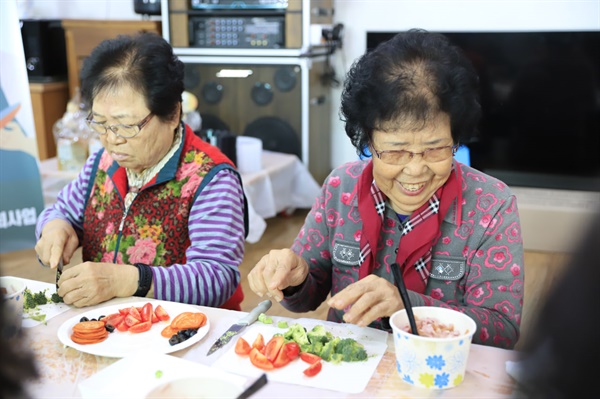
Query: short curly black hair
(144,61)
(406,82)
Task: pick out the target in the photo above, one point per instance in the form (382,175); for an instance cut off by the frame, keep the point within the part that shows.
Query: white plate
(134,377)
(121,344)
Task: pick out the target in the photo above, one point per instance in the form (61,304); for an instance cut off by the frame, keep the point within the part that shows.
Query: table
(283,184)
(63,368)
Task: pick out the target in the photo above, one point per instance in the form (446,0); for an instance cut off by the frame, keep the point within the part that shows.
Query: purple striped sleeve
(70,201)
(217,236)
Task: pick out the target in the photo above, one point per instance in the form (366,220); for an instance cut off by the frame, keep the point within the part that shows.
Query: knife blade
(59,269)
(236,328)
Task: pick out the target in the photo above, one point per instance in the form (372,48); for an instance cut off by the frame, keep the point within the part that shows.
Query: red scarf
(421,231)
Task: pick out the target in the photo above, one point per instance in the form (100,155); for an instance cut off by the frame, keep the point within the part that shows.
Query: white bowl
(12,302)
(433,363)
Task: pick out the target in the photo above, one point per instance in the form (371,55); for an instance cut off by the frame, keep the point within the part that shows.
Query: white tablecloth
(283,184)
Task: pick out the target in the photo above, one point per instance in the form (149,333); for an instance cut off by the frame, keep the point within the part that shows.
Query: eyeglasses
(123,131)
(402,157)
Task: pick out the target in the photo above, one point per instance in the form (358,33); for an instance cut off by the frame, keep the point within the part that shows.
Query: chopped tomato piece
(310,358)
(123,326)
(147,312)
(141,327)
(259,360)
(242,347)
(273,347)
(292,350)
(130,320)
(259,342)
(114,319)
(161,313)
(313,369)
(124,311)
(135,313)
(154,318)
(282,358)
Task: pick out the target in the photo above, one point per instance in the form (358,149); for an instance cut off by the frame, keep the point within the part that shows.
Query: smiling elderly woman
(453,231)
(158,211)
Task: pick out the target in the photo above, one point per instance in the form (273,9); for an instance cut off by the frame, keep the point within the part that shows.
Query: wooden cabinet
(82,36)
(49,102)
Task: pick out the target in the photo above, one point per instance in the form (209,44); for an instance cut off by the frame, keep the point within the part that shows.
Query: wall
(542,211)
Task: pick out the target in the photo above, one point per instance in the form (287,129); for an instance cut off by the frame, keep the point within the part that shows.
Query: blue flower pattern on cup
(441,380)
(436,362)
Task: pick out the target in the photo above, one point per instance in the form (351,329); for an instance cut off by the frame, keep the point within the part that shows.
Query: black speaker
(146,7)
(45,50)
(283,103)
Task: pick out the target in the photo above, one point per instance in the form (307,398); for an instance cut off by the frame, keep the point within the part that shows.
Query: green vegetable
(55,298)
(282,324)
(323,343)
(263,318)
(297,333)
(158,374)
(29,302)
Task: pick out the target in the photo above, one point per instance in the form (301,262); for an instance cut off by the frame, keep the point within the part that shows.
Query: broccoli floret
(351,350)
(263,318)
(40,298)
(56,298)
(319,334)
(328,350)
(282,324)
(315,348)
(29,301)
(296,333)
(336,358)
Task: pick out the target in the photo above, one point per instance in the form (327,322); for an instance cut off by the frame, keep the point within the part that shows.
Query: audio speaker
(284,103)
(45,49)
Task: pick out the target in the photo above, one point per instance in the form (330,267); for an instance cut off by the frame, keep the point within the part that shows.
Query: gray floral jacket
(477,263)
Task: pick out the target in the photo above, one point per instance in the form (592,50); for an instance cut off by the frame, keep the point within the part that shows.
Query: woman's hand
(367,300)
(58,240)
(90,283)
(276,271)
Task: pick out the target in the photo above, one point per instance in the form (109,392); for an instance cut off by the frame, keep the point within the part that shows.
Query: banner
(21,198)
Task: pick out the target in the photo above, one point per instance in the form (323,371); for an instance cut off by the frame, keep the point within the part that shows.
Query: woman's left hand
(367,300)
(90,283)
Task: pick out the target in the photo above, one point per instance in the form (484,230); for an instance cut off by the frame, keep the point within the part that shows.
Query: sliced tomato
(154,318)
(282,359)
(273,347)
(123,326)
(161,313)
(147,312)
(242,347)
(141,327)
(130,320)
(259,342)
(114,319)
(135,313)
(124,311)
(292,350)
(313,369)
(310,358)
(259,360)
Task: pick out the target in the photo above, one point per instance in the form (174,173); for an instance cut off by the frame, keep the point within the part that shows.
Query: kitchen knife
(239,326)
(59,269)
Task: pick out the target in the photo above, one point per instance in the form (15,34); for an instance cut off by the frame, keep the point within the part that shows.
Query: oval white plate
(121,344)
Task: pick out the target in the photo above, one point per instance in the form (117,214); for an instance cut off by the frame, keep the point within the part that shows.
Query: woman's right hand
(276,271)
(58,239)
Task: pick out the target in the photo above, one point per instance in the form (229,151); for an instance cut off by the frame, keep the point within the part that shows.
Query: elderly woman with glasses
(157,211)
(452,231)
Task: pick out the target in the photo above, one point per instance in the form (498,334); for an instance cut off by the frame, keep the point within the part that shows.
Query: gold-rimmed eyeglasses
(123,131)
(402,157)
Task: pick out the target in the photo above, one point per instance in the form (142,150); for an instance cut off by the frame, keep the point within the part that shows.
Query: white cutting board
(50,310)
(342,377)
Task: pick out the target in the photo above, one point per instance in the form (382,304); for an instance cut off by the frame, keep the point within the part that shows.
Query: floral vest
(155,229)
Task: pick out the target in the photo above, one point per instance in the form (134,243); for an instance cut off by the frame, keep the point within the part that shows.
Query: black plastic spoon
(404,296)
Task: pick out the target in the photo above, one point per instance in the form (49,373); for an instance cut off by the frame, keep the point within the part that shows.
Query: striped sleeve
(216,229)
(69,202)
